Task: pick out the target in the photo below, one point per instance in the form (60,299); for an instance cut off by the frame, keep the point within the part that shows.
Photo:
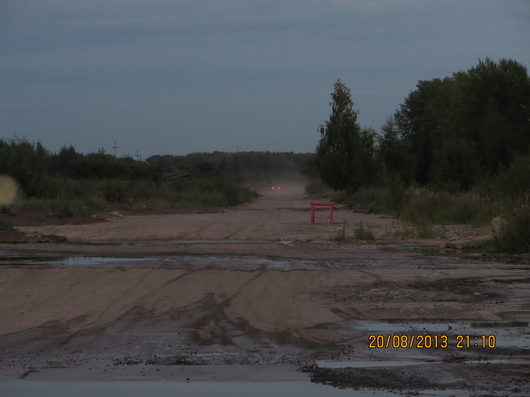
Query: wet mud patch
(463,290)
(513,379)
(381,378)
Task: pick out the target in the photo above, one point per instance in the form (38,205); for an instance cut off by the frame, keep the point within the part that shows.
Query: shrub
(4,225)
(315,188)
(115,191)
(341,234)
(424,229)
(515,236)
(361,233)
(67,207)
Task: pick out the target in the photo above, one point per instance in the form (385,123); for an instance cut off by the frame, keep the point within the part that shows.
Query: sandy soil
(257,302)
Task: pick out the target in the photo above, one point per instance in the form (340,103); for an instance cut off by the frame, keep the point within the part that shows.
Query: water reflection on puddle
(368,364)
(192,261)
(22,388)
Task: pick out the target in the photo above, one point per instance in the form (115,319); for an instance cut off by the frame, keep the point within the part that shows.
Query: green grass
(87,197)
(341,234)
(419,205)
(424,230)
(4,225)
(425,208)
(515,237)
(360,233)
(67,207)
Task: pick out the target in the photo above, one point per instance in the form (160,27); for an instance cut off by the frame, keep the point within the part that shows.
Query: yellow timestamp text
(428,341)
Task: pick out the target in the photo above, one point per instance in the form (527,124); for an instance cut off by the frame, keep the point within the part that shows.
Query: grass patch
(420,205)
(87,197)
(425,208)
(360,233)
(424,229)
(515,236)
(67,207)
(341,234)
(4,225)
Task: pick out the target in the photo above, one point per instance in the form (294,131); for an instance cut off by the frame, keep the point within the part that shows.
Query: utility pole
(137,156)
(115,147)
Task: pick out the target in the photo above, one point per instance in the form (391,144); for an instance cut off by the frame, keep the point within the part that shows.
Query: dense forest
(456,151)
(450,134)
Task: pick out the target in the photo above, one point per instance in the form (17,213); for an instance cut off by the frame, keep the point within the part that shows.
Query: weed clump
(361,233)
(341,234)
(514,236)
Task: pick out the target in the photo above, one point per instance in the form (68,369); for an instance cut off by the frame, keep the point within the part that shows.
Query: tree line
(41,173)
(469,130)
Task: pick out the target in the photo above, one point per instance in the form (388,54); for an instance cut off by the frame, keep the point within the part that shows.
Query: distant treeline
(242,165)
(73,183)
(41,173)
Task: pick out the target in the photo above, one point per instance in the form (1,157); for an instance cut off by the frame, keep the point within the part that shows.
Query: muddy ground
(257,293)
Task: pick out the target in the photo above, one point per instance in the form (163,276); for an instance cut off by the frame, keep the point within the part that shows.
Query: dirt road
(163,297)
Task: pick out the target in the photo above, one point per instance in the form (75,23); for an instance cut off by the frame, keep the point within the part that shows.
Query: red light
(272,188)
(279,188)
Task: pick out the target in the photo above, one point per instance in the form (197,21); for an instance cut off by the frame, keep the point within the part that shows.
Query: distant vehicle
(276,187)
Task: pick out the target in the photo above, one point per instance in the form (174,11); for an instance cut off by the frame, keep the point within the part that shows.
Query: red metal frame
(331,208)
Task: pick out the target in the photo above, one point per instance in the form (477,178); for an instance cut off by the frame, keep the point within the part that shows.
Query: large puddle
(22,388)
(162,243)
(229,262)
(242,262)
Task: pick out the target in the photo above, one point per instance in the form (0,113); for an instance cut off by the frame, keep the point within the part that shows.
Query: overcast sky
(179,76)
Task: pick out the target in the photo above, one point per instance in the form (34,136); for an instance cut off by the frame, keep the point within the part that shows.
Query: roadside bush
(316,188)
(4,225)
(361,233)
(370,199)
(67,207)
(396,195)
(115,191)
(27,163)
(341,234)
(424,229)
(515,236)
(513,181)
(445,208)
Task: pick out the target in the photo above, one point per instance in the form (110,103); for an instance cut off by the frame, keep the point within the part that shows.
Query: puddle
(72,261)
(23,388)
(192,242)
(406,363)
(229,262)
(370,364)
(499,361)
(162,243)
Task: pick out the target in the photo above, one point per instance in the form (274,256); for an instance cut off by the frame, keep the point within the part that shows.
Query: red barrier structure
(329,205)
